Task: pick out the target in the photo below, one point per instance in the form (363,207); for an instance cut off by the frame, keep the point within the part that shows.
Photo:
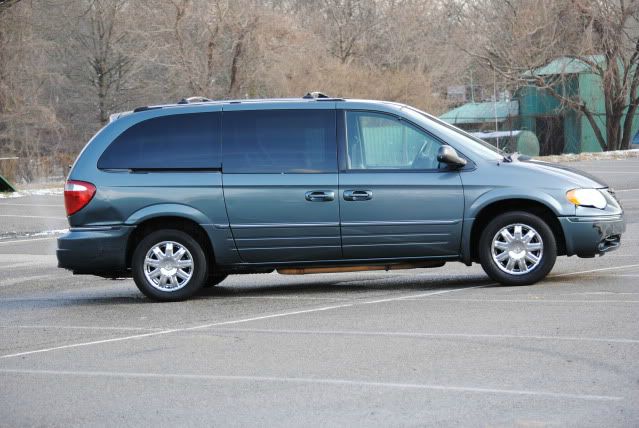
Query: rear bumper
(591,236)
(98,250)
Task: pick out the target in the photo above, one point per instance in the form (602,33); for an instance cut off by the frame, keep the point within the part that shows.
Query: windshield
(483,148)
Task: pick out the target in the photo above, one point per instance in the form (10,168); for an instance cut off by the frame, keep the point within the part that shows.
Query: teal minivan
(180,196)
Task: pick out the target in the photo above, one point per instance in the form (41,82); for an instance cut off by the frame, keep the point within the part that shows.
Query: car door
(396,200)
(280,181)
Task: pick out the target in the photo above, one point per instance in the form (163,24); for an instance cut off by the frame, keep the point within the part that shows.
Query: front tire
(517,248)
(169,265)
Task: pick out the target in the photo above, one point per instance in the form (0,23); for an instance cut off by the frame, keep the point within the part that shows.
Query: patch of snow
(49,232)
(574,157)
(20,235)
(32,192)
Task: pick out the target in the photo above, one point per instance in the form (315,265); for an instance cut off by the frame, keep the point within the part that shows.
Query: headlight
(587,198)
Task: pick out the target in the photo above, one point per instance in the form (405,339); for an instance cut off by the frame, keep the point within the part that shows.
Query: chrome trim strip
(287,248)
(282,225)
(382,244)
(344,224)
(289,238)
(401,223)
(607,218)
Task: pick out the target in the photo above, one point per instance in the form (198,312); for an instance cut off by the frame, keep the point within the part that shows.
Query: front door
(280,182)
(396,200)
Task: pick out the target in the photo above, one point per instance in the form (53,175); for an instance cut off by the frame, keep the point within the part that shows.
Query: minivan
(180,196)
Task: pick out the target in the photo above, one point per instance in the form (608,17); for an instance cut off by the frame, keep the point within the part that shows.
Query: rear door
(396,200)
(280,181)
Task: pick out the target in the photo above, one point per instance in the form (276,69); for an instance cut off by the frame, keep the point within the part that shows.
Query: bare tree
(108,65)
(596,36)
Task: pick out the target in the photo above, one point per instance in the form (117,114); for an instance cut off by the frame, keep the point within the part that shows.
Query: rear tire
(517,248)
(169,265)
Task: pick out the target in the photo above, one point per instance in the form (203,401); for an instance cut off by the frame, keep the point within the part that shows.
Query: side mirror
(449,156)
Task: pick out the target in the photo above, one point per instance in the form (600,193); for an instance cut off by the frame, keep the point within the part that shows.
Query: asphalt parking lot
(424,347)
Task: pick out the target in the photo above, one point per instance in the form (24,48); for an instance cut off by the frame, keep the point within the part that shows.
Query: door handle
(358,195)
(319,195)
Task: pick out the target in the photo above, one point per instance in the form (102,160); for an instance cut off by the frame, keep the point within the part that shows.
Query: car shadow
(321,286)
(342,288)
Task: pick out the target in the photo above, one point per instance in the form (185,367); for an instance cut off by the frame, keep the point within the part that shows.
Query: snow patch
(32,192)
(575,157)
(22,235)
(49,232)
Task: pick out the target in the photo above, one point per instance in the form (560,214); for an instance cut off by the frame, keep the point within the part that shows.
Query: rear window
(181,141)
(279,141)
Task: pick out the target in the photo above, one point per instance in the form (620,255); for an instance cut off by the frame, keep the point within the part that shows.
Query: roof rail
(194,100)
(315,95)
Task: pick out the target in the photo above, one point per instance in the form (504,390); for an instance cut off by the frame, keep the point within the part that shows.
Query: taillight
(77,194)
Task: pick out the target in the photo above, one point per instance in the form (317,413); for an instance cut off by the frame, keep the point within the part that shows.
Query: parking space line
(222,323)
(594,270)
(418,335)
(27,240)
(613,172)
(626,190)
(532,301)
(78,327)
(32,216)
(292,298)
(23,279)
(622,275)
(417,296)
(31,205)
(317,381)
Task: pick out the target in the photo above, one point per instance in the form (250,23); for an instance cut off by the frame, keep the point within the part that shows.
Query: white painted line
(595,270)
(626,190)
(291,298)
(417,296)
(530,301)
(317,381)
(32,216)
(411,335)
(619,275)
(27,240)
(613,172)
(239,321)
(22,279)
(77,327)
(31,205)
(175,330)
(23,264)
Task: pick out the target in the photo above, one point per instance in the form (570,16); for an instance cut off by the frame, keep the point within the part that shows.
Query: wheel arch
(184,224)
(489,211)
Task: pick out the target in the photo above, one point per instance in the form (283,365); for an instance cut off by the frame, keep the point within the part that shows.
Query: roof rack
(194,100)
(315,95)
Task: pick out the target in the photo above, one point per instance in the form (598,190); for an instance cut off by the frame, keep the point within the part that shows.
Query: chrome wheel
(517,249)
(168,266)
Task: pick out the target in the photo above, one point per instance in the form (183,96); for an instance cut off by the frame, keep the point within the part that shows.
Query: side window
(380,141)
(181,141)
(279,141)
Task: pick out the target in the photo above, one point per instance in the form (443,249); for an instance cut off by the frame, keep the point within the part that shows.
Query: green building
(559,129)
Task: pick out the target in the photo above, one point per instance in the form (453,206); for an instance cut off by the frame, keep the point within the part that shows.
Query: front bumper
(591,236)
(94,250)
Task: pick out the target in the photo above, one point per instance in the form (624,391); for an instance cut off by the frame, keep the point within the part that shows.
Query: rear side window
(279,141)
(181,141)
